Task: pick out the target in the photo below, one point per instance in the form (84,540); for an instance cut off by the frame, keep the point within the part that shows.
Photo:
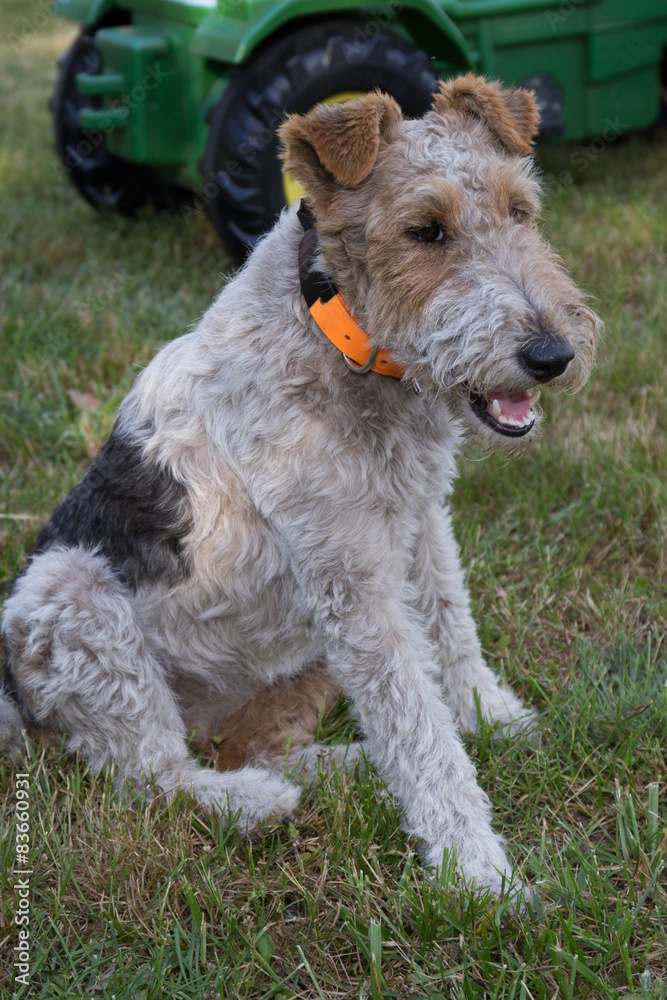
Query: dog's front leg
(378,652)
(441,599)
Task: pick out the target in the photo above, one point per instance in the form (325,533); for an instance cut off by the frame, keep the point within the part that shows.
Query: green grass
(565,551)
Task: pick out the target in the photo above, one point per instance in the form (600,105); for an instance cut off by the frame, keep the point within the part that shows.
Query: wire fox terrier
(273,493)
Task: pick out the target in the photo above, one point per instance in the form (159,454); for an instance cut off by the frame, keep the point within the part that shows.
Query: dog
(274,493)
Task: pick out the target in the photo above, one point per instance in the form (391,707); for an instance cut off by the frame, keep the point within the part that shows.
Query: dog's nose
(548,356)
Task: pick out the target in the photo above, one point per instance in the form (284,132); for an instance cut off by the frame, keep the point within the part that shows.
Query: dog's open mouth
(509,413)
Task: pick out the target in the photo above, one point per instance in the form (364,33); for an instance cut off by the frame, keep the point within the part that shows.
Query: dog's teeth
(534,396)
(495,408)
(505,421)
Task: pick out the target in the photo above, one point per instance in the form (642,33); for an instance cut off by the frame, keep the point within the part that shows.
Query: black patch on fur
(130,510)
(9,687)
(8,680)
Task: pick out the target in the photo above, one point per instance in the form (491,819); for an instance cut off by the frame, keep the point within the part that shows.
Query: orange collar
(329,310)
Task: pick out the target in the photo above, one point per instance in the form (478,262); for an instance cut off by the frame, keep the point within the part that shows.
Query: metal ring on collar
(365,368)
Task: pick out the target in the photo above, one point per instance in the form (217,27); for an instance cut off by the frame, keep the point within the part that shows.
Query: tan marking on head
(337,144)
(433,200)
(408,271)
(512,115)
(512,194)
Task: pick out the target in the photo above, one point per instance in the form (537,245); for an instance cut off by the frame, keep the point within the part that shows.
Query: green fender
(231,33)
(186,11)
(84,11)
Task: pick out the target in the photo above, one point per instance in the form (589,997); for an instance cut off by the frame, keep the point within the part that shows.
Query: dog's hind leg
(83,664)
(11,724)
(278,727)
(442,600)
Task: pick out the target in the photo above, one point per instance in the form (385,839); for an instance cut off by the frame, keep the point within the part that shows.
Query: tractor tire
(105,181)
(243,187)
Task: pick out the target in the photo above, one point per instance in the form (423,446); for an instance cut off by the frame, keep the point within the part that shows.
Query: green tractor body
(156,82)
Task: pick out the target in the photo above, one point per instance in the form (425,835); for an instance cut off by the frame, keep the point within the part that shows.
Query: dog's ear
(512,114)
(338,143)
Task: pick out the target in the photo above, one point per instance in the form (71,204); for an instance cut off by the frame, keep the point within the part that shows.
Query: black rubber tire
(104,180)
(242,180)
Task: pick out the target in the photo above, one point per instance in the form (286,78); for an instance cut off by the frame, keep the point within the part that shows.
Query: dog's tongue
(511,406)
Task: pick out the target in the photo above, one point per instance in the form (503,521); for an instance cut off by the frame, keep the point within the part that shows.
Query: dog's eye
(432,233)
(519,214)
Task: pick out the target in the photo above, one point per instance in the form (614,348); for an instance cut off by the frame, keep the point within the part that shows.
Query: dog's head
(429,229)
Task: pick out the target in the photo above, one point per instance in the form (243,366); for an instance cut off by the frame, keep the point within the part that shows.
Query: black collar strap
(314,284)
(329,310)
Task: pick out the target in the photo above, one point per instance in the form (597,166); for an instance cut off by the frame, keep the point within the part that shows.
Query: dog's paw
(311,762)
(248,796)
(499,707)
(481,866)
(523,721)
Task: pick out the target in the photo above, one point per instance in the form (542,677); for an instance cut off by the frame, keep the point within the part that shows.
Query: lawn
(565,554)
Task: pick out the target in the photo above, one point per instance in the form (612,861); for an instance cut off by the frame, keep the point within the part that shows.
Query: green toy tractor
(176,102)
